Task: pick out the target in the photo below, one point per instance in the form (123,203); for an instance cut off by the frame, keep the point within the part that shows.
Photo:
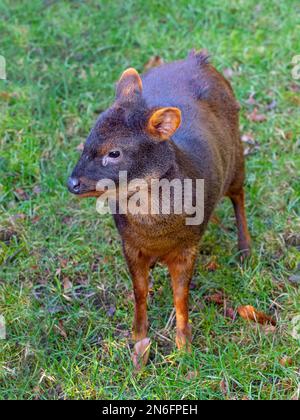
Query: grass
(63,59)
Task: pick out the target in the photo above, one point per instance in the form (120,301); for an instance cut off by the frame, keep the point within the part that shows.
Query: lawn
(65,291)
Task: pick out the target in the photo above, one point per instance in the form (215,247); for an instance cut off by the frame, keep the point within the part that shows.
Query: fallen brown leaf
(80,147)
(228,73)
(230,313)
(37,190)
(224,388)
(286,361)
(7,96)
(269,329)
(21,194)
(250,144)
(67,285)
(212,265)
(217,298)
(19,216)
(256,117)
(35,220)
(248,139)
(251,100)
(192,375)
(215,219)
(63,262)
(251,314)
(61,330)
(248,151)
(295,87)
(141,353)
(154,61)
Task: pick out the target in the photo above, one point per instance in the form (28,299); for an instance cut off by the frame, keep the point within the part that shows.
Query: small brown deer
(177,121)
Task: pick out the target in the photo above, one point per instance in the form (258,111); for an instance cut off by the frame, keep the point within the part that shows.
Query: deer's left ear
(163,123)
(129,85)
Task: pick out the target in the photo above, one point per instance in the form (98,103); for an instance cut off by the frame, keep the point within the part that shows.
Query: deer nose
(73,185)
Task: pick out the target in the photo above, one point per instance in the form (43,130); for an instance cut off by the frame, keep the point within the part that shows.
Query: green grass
(63,58)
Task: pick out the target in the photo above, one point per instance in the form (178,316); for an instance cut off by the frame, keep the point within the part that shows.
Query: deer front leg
(181,266)
(139,266)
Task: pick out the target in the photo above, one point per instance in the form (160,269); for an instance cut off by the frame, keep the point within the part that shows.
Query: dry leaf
(192,375)
(295,87)
(228,73)
(251,100)
(230,313)
(217,298)
(212,265)
(286,361)
(141,353)
(80,147)
(22,195)
(37,190)
(250,144)
(19,216)
(67,285)
(256,117)
(63,262)
(251,314)
(154,61)
(35,220)
(7,96)
(61,330)
(269,329)
(248,139)
(249,150)
(215,219)
(224,388)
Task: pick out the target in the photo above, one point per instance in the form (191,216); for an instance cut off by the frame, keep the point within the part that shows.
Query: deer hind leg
(244,240)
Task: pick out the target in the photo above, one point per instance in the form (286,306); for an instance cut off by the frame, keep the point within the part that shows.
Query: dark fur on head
(124,128)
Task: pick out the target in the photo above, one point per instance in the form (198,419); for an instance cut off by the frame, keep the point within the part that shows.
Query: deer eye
(114,154)
(112,157)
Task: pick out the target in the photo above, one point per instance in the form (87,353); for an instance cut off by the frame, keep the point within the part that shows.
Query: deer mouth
(89,194)
(83,188)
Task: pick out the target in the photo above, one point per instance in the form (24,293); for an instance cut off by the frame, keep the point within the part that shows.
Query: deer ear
(164,122)
(129,85)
